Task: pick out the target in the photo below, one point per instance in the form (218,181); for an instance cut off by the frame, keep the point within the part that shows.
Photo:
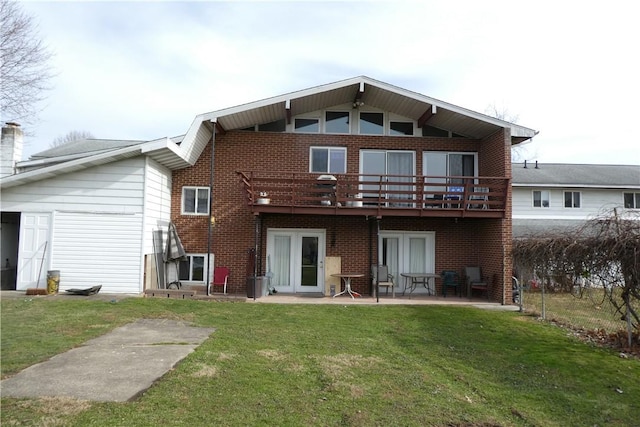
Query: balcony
(375,195)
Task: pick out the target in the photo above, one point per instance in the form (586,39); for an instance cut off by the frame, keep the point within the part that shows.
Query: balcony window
(541,199)
(571,199)
(336,122)
(195,200)
(307,125)
(328,160)
(371,123)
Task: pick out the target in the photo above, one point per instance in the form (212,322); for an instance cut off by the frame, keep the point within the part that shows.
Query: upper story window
(328,160)
(400,128)
(307,125)
(195,200)
(571,199)
(541,198)
(336,122)
(277,126)
(632,200)
(371,123)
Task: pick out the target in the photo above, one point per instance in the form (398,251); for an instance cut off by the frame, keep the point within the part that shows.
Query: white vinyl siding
(593,202)
(115,187)
(157,203)
(98,249)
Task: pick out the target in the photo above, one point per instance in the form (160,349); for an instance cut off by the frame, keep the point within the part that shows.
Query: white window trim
(329,147)
(542,206)
(204,272)
(634,193)
(324,122)
(572,199)
(302,117)
(196,213)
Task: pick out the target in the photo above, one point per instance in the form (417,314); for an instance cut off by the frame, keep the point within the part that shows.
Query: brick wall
(458,243)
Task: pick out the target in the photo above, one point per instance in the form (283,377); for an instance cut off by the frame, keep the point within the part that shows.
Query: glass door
(295,260)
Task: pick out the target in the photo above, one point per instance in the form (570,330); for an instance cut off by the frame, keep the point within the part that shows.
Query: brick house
(343,176)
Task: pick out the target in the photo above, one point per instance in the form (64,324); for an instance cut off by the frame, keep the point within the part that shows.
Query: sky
(143,70)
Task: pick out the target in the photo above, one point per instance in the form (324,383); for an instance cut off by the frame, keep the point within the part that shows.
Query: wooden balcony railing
(375,195)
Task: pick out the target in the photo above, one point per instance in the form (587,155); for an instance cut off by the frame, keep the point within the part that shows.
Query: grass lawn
(332,365)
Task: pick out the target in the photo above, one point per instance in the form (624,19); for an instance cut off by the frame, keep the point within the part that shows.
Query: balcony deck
(375,195)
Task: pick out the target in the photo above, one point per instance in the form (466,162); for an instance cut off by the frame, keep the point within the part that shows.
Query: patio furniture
(450,279)
(220,278)
(346,277)
(381,278)
(475,281)
(412,280)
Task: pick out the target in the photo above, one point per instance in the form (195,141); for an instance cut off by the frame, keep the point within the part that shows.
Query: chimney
(10,148)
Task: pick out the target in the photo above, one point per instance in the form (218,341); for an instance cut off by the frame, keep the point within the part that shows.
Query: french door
(407,252)
(295,260)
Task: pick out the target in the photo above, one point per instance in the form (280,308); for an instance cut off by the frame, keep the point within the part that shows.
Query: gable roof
(184,151)
(575,175)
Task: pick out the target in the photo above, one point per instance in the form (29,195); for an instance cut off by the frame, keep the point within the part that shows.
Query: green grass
(333,365)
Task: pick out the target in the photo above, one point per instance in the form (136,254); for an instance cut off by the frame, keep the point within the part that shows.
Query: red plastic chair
(220,277)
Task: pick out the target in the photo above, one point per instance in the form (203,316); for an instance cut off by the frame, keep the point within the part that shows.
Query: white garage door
(98,249)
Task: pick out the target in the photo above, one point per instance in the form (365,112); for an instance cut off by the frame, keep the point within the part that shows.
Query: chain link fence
(589,308)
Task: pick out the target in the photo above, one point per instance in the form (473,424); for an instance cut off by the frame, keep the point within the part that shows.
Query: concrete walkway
(115,367)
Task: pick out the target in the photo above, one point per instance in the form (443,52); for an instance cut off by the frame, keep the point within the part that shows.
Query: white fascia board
(577,186)
(60,168)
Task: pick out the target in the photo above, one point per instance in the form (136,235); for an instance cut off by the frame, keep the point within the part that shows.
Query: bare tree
(518,152)
(24,64)
(74,135)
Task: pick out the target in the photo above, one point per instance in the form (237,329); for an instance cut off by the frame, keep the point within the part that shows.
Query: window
(632,200)
(192,269)
(328,160)
(541,199)
(400,128)
(371,123)
(431,131)
(307,125)
(277,126)
(336,122)
(571,199)
(195,200)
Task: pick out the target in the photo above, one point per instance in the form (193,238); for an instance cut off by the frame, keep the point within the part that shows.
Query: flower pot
(263,201)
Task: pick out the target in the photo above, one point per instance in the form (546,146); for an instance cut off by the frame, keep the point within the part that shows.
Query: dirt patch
(274,355)
(207,371)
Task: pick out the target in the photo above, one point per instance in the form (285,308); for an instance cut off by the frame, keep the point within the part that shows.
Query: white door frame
(295,259)
(404,252)
(34,249)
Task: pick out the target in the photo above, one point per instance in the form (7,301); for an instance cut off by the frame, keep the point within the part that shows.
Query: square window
(632,200)
(371,123)
(400,128)
(336,122)
(192,269)
(307,125)
(541,199)
(195,201)
(571,199)
(328,160)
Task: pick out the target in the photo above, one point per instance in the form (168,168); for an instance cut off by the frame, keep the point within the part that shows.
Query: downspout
(209,278)
(378,259)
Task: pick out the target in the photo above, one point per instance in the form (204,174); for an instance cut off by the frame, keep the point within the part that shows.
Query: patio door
(396,163)
(295,260)
(407,252)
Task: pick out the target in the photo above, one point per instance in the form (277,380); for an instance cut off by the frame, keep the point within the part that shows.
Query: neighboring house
(329,179)
(87,209)
(549,197)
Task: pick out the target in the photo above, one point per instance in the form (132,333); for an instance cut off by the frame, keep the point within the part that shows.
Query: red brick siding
(460,243)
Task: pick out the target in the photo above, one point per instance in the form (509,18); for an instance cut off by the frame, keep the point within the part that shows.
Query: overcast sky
(144,70)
